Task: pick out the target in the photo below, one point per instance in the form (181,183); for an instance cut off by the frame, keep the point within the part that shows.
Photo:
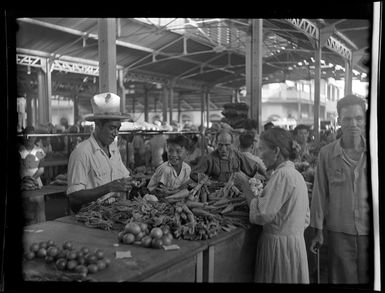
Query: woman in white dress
(283,211)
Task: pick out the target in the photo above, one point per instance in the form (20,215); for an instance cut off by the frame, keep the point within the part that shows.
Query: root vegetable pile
(195,214)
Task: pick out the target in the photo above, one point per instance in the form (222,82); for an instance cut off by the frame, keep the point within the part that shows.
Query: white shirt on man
(90,167)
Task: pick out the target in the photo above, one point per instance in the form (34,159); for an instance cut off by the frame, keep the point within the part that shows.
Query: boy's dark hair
(246,140)
(350,100)
(299,127)
(179,140)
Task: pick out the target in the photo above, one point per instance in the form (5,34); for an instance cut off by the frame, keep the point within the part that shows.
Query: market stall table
(35,201)
(230,256)
(145,265)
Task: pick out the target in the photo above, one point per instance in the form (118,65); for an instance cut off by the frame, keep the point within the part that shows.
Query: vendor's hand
(120,185)
(317,242)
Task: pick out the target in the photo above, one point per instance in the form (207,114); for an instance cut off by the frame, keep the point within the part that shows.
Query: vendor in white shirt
(95,166)
(173,174)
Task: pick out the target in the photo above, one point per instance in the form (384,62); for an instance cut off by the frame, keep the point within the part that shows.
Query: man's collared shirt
(90,167)
(166,174)
(340,192)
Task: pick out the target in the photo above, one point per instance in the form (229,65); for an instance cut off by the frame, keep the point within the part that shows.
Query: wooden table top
(144,261)
(45,190)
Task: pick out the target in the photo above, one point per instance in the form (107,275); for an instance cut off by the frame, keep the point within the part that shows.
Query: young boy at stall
(174,174)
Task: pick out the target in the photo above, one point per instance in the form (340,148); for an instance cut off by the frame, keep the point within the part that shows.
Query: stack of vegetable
(193,214)
(29,183)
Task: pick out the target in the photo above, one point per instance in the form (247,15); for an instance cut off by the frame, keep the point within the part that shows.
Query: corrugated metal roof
(212,54)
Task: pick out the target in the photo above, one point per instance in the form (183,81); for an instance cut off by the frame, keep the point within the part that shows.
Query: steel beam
(312,31)
(188,106)
(199,66)
(58,65)
(163,79)
(107,55)
(80,33)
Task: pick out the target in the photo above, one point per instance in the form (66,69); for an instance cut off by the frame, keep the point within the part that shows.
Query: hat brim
(109,117)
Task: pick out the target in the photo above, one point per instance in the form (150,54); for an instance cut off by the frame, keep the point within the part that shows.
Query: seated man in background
(225,160)
(247,146)
(173,174)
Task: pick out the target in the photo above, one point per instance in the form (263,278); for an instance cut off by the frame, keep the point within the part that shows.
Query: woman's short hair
(279,137)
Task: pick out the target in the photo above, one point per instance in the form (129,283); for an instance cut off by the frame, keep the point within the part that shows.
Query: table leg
(199,268)
(208,256)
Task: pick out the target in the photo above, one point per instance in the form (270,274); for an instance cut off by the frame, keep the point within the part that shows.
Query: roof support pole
(122,91)
(348,77)
(207,97)
(202,108)
(44,90)
(133,103)
(324,35)
(299,111)
(28,108)
(107,55)
(254,69)
(76,107)
(171,97)
(146,104)
(179,109)
(35,110)
(317,91)
(155,104)
(165,103)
